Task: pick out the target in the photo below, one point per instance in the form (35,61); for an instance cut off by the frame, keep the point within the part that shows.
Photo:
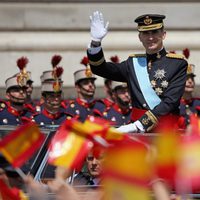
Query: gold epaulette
(137,55)
(174,55)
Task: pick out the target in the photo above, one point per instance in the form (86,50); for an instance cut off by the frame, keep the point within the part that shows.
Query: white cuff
(93,50)
(139,126)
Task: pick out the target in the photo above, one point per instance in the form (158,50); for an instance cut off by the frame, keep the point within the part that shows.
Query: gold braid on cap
(85,62)
(23,76)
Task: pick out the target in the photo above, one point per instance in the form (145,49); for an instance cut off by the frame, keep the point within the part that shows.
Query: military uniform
(46,118)
(117,115)
(103,104)
(188,107)
(11,116)
(80,109)
(167,74)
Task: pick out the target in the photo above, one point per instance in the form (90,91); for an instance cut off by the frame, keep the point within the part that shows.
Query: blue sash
(150,96)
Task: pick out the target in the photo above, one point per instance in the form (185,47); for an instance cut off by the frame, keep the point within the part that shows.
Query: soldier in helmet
(120,112)
(52,113)
(83,105)
(189,104)
(155,79)
(13,111)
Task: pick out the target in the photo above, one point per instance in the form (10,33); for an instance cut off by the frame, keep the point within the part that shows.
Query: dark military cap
(149,22)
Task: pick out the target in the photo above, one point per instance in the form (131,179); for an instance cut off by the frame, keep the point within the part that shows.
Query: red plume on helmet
(56,60)
(114,59)
(22,62)
(59,72)
(85,61)
(186,53)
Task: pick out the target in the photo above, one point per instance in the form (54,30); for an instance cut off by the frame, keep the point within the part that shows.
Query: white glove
(132,128)
(98,29)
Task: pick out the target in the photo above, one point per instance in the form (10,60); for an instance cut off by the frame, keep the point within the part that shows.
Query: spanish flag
(18,146)
(189,158)
(96,127)
(127,171)
(167,146)
(7,193)
(68,148)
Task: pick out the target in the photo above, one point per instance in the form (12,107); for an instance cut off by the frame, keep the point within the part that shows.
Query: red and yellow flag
(18,146)
(127,171)
(166,159)
(68,148)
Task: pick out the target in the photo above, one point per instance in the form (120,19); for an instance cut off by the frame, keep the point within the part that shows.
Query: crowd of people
(140,94)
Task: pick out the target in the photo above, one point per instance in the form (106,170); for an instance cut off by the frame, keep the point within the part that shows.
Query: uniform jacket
(169,87)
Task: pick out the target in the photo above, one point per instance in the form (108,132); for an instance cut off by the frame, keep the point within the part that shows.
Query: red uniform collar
(85,104)
(50,115)
(120,110)
(13,110)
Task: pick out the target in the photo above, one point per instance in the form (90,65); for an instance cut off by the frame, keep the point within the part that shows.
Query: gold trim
(150,27)
(137,55)
(153,119)
(174,55)
(97,63)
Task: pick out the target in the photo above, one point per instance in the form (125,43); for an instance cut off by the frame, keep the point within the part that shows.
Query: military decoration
(153,83)
(164,84)
(159,74)
(158,90)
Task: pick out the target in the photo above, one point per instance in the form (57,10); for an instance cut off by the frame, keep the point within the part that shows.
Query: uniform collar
(186,101)
(13,110)
(50,115)
(157,55)
(108,102)
(85,104)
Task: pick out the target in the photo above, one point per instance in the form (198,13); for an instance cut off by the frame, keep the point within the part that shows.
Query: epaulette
(174,55)
(137,55)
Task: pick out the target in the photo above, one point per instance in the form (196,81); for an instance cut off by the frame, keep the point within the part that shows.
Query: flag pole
(21,173)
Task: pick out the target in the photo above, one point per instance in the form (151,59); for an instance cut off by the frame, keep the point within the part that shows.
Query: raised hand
(98,28)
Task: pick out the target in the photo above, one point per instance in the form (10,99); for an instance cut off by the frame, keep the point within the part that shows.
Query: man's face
(122,96)
(17,94)
(52,101)
(94,165)
(152,40)
(190,84)
(86,88)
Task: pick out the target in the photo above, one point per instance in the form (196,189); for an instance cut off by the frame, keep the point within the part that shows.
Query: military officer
(156,79)
(189,104)
(13,111)
(85,86)
(120,112)
(52,112)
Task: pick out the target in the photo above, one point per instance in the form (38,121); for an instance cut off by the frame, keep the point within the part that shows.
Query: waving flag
(127,171)
(18,146)
(68,149)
